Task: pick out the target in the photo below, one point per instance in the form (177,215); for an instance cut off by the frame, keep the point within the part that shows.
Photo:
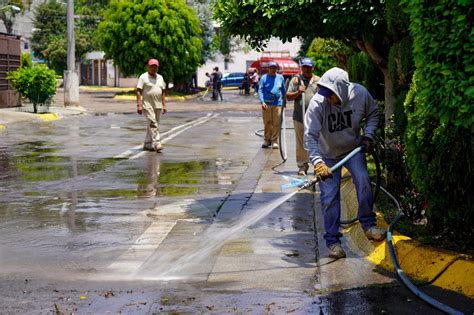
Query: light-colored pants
(301,153)
(152,117)
(271,123)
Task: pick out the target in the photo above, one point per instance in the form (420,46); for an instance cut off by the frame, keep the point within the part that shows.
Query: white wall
(240,58)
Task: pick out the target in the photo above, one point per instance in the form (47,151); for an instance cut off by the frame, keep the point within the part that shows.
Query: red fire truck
(286,65)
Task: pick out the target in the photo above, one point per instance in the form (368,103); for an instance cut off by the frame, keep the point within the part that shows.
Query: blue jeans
(331,197)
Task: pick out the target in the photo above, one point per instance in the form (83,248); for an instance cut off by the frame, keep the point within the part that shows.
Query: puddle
(184,178)
(38,161)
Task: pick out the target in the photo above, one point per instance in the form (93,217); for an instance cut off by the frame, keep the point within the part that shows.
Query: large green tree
(135,30)
(359,23)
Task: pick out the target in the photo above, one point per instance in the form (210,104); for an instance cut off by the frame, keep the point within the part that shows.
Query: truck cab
(287,67)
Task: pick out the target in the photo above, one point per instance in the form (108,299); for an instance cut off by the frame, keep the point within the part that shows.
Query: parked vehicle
(232,79)
(286,65)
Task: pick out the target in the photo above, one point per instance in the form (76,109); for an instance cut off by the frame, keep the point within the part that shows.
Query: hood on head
(337,80)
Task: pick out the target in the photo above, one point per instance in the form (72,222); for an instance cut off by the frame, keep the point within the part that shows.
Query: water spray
(306,182)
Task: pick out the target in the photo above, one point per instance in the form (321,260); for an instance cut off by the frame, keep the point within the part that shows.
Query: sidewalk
(278,251)
(25,114)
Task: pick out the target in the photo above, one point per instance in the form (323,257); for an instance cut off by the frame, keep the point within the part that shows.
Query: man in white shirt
(151,102)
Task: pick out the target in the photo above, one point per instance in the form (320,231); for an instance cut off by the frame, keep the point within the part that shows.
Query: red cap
(153,62)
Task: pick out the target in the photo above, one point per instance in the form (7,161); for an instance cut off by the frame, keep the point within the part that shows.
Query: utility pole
(71,76)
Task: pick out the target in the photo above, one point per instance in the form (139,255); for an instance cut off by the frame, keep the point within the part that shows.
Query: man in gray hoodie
(332,131)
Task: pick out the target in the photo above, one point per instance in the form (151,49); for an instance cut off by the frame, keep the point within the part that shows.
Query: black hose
(283,154)
(405,280)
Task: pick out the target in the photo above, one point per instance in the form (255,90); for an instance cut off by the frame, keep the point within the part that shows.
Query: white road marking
(145,245)
(191,125)
(138,149)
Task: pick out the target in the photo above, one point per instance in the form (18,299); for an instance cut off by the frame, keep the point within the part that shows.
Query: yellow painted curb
(49,116)
(133,98)
(125,97)
(105,89)
(446,269)
(458,277)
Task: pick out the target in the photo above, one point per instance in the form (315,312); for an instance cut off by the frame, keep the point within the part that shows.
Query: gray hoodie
(332,131)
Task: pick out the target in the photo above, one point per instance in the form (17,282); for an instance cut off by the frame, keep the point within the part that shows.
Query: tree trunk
(391,179)
(381,62)
(389,97)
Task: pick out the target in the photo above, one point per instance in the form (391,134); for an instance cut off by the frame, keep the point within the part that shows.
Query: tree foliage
(49,40)
(441,113)
(26,61)
(203,12)
(328,53)
(361,23)
(135,30)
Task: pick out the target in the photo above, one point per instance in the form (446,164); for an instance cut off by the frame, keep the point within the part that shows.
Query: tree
(359,23)
(8,13)
(49,40)
(135,30)
(49,24)
(203,12)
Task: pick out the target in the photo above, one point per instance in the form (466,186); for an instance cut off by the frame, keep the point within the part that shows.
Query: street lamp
(13,8)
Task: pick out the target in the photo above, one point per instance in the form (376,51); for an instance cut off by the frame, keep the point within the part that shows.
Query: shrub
(26,60)
(37,84)
(440,114)
(327,53)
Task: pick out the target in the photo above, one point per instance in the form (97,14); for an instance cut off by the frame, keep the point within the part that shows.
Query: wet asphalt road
(77,194)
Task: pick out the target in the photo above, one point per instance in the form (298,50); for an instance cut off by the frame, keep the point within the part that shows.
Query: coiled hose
(405,280)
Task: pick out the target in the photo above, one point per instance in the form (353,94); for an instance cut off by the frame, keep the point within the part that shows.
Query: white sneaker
(275,145)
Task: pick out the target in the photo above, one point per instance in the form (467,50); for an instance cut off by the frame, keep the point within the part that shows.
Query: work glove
(368,144)
(322,171)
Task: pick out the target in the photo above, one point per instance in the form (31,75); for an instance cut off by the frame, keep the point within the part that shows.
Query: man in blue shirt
(271,93)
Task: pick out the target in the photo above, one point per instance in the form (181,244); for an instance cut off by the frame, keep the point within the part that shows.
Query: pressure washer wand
(311,182)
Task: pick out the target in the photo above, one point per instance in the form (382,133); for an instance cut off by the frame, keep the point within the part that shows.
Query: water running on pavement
(179,264)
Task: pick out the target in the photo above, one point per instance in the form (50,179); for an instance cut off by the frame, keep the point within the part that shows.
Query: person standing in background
(305,83)
(271,93)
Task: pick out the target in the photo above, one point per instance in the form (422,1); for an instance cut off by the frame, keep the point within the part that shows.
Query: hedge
(440,110)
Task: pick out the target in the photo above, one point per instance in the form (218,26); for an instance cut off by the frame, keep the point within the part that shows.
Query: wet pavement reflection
(64,197)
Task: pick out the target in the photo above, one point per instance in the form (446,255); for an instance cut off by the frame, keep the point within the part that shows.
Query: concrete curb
(442,268)
(236,201)
(8,116)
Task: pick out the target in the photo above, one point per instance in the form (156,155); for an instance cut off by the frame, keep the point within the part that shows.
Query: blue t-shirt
(272,90)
